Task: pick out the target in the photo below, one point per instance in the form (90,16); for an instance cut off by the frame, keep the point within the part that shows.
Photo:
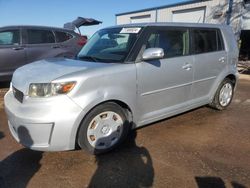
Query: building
(232,12)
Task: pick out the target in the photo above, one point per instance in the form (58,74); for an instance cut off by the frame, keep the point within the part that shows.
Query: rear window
(36,36)
(62,36)
(207,40)
(9,37)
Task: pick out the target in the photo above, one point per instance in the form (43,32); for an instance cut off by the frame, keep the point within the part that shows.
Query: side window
(204,40)
(174,42)
(36,36)
(220,42)
(153,40)
(62,36)
(10,37)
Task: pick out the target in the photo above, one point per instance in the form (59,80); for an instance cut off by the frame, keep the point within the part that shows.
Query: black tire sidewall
(82,139)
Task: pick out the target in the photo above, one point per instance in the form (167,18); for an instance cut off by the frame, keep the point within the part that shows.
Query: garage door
(191,15)
(141,19)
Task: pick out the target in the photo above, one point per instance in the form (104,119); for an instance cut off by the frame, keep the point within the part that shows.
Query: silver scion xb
(124,77)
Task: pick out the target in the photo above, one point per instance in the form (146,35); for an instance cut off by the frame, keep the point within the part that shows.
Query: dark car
(20,45)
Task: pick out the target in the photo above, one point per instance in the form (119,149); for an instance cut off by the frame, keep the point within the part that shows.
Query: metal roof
(161,7)
(174,24)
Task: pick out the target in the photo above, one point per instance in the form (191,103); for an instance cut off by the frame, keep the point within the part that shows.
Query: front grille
(18,94)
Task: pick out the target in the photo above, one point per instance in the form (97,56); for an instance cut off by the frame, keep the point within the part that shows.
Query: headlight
(50,89)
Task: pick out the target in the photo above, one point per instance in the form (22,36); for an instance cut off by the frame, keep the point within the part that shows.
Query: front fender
(98,88)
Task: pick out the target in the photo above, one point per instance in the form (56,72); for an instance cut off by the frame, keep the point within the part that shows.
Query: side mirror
(153,53)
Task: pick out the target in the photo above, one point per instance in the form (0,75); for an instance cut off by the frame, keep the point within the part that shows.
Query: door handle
(187,66)
(17,48)
(222,60)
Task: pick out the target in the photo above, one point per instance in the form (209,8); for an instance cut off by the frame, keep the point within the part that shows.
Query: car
(20,45)
(125,77)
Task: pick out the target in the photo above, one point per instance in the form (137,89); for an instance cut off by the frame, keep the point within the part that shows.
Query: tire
(103,128)
(222,101)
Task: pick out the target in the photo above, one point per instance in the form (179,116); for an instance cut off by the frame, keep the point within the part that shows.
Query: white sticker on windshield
(130,30)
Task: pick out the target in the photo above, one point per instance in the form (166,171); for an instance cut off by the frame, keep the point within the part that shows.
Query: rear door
(40,44)
(210,58)
(164,85)
(12,53)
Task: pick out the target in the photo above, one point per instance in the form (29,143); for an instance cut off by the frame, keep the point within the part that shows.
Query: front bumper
(44,124)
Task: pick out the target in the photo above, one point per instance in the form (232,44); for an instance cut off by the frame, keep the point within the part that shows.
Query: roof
(34,26)
(174,24)
(161,7)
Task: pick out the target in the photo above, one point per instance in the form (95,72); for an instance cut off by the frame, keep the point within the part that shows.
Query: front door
(164,85)
(12,53)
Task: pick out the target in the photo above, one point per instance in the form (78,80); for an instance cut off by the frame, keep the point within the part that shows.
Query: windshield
(110,45)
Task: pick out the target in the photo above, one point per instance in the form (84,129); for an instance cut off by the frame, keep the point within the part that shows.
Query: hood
(45,71)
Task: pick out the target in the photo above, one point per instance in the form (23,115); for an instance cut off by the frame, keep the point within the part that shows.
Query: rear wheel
(223,95)
(103,129)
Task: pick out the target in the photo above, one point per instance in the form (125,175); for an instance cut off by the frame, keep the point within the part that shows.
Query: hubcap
(105,130)
(226,93)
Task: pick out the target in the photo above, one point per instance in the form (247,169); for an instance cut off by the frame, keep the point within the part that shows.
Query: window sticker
(130,30)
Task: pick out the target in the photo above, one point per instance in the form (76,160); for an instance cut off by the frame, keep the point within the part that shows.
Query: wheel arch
(220,79)
(232,78)
(122,104)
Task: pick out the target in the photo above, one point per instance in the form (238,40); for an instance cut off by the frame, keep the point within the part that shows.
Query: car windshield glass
(110,45)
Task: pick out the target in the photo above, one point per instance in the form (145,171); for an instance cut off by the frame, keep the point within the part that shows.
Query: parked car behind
(20,45)
(125,76)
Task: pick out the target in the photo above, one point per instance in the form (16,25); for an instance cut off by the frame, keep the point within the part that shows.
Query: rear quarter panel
(232,51)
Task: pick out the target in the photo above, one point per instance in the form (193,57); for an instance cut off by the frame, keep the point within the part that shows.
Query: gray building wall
(215,11)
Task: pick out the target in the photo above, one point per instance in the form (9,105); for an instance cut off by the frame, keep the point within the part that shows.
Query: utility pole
(229,11)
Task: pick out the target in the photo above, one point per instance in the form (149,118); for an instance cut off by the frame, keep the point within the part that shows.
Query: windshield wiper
(87,57)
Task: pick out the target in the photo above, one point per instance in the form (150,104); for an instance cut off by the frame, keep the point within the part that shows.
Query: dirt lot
(201,148)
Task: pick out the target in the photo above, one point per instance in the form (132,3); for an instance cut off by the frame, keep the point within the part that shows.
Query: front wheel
(223,95)
(103,128)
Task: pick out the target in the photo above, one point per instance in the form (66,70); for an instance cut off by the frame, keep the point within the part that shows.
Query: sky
(57,12)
